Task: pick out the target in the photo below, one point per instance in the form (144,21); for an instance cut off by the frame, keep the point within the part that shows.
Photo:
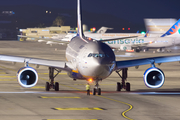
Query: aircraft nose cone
(96,69)
(99,69)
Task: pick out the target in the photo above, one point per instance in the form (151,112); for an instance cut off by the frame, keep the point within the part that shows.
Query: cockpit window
(90,55)
(97,55)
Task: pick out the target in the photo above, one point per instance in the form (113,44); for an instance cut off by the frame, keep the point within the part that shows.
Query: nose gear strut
(96,88)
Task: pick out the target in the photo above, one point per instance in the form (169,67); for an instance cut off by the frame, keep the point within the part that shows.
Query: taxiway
(72,103)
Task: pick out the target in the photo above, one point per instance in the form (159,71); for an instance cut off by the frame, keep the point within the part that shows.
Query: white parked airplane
(89,59)
(168,39)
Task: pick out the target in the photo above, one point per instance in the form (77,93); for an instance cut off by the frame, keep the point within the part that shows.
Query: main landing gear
(51,85)
(123,84)
(97,89)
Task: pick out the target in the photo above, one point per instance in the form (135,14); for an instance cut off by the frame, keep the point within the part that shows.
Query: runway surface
(72,103)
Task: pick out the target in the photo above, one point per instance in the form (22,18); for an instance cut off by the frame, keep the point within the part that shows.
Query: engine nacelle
(154,77)
(27,77)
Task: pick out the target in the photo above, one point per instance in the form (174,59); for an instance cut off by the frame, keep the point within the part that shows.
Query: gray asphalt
(35,103)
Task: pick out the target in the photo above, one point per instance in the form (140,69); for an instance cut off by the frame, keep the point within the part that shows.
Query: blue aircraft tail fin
(146,33)
(173,29)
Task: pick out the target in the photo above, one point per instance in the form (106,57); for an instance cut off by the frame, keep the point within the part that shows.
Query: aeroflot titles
(126,41)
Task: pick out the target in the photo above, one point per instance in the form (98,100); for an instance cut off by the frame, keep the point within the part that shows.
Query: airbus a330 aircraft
(89,59)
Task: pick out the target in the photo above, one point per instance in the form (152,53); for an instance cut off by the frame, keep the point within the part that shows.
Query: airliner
(168,39)
(88,59)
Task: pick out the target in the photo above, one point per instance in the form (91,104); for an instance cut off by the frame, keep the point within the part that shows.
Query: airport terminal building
(47,32)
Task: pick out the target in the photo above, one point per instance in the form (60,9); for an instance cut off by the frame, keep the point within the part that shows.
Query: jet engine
(154,77)
(27,77)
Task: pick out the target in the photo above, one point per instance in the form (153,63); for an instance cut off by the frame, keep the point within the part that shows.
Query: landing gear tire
(56,86)
(118,86)
(127,86)
(94,91)
(99,91)
(47,86)
(137,49)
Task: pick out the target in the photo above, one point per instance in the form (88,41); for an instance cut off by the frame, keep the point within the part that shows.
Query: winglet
(173,29)
(80,29)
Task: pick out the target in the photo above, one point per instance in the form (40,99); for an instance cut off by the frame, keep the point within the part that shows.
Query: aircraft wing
(46,39)
(144,61)
(117,38)
(50,63)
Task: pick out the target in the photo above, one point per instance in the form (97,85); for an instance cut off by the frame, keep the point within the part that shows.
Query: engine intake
(27,77)
(154,77)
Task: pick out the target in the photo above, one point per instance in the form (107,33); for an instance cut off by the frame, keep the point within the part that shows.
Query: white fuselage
(141,41)
(92,59)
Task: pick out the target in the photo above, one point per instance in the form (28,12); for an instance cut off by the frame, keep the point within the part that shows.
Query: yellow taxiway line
(78,109)
(57,97)
(8,79)
(123,113)
(71,119)
(7,76)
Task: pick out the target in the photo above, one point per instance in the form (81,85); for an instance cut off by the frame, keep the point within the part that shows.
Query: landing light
(90,80)
(89,38)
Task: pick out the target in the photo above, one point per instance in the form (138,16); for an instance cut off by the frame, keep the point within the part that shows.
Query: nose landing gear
(123,84)
(97,89)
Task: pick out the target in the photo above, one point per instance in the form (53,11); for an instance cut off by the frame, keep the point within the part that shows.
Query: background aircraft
(89,59)
(168,39)
(158,26)
(155,28)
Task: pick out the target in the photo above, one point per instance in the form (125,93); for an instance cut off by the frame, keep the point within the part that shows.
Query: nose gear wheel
(96,89)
